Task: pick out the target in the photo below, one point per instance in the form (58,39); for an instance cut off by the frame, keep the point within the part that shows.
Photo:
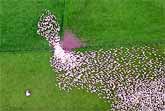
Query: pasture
(24,56)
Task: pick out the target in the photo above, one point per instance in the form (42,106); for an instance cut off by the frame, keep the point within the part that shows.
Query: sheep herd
(133,79)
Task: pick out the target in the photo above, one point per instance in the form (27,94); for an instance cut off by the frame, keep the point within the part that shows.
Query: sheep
(115,74)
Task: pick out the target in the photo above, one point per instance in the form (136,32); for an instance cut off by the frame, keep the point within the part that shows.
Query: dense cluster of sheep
(130,83)
(142,95)
(49,28)
(131,78)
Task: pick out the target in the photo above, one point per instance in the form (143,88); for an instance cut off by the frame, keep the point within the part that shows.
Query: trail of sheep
(125,76)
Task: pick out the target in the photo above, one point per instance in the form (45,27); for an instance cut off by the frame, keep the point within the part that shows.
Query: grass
(19,23)
(23,70)
(101,23)
(105,23)
(116,23)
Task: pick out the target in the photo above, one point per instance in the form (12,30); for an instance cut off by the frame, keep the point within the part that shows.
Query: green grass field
(101,23)
(19,23)
(20,71)
(118,23)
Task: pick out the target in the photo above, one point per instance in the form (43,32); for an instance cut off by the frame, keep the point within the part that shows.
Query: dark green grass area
(31,70)
(101,23)
(19,23)
(116,23)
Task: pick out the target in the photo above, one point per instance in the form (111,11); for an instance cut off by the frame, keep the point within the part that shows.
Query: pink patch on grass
(70,41)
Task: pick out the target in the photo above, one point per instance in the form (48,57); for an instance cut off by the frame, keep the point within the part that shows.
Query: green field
(101,23)
(31,70)
(116,23)
(24,56)
(19,23)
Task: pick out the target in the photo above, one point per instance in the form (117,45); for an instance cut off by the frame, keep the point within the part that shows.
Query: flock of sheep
(133,79)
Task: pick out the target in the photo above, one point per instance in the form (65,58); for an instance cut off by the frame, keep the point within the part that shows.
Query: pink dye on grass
(70,41)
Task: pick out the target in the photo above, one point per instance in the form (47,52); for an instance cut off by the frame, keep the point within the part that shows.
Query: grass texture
(31,70)
(100,23)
